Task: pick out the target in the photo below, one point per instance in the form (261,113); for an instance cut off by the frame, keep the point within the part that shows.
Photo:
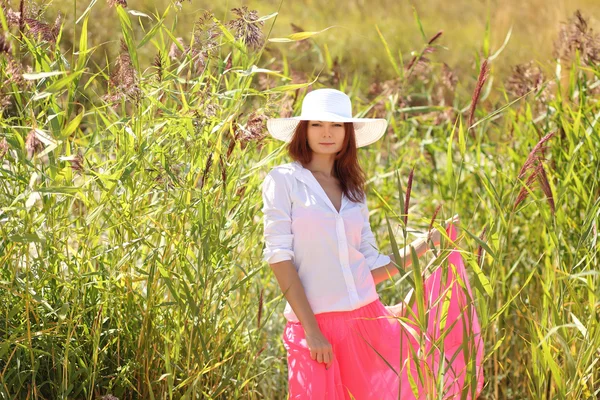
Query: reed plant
(130,225)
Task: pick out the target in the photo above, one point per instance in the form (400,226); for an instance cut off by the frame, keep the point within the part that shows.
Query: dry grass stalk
(535,154)
(534,164)
(483,75)
(407,197)
(480,247)
(429,231)
(422,62)
(260,307)
(206,169)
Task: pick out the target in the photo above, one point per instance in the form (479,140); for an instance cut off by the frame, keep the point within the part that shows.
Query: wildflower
(175,52)
(42,31)
(4,102)
(197,55)
(576,36)
(300,45)
(448,79)
(206,170)
(206,34)
(287,106)
(33,145)
(247,27)
(77,163)
(525,78)
(3,147)
(158,63)
(420,66)
(4,44)
(336,71)
(114,3)
(123,78)
(255,128)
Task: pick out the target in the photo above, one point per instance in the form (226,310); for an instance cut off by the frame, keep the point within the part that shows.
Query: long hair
(346,167)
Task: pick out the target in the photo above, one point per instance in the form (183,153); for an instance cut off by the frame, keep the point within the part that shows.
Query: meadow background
(133,145)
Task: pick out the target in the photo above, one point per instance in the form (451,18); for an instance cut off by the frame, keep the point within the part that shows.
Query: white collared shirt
(333,252)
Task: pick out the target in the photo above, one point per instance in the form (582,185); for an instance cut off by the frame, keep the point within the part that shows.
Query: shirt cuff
(382,260)
(278,255)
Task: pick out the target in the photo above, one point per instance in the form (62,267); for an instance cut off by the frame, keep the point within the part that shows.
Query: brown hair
(346,167)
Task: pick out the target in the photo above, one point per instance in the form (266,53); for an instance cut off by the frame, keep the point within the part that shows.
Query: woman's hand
(320,348)
(436,236)
(397,310)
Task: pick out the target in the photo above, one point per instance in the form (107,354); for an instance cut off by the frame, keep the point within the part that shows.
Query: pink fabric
(362,338)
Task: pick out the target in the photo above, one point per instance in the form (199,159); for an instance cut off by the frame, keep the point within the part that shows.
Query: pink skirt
(375,354)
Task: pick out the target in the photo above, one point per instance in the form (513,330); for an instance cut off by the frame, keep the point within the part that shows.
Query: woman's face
(320,133)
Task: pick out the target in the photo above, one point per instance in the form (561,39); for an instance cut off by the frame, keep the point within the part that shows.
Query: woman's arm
(279,253)
(293,290)
(387,271)
(421,247)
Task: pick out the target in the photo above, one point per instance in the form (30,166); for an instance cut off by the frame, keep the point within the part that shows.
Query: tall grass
(130,231)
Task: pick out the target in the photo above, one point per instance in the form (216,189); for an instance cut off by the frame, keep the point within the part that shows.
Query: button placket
(344,260)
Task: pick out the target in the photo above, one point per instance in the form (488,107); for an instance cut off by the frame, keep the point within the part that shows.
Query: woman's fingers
(320,349)
(453,219)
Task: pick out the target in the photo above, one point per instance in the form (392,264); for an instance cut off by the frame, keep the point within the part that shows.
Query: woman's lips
(327,144)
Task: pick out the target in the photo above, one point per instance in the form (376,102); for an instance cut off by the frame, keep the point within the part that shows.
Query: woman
(341,341)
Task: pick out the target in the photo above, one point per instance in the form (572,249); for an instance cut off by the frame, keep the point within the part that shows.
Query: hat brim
(367,130)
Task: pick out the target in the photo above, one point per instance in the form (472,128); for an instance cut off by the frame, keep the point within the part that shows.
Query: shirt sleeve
(368,246)
(277,219)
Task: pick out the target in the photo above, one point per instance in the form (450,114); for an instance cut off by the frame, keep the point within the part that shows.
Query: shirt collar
(304,175)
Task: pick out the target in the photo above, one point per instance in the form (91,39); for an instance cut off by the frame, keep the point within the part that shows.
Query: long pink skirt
(376,354)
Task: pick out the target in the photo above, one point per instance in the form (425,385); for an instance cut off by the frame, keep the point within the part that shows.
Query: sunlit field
(133,145)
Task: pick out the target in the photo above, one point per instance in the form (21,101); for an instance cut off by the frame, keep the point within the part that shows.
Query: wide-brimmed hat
(328,105)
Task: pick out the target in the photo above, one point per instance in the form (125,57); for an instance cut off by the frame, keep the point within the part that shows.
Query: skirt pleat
(377,355)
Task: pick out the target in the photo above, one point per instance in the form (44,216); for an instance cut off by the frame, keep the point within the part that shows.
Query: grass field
(131,164)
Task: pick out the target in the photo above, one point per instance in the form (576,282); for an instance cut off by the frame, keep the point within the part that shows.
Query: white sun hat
(328,105)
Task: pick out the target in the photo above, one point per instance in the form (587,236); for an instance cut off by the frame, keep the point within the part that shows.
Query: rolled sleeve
(276,210)
(368,246)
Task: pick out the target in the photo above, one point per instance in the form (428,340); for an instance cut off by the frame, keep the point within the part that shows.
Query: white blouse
(333,252)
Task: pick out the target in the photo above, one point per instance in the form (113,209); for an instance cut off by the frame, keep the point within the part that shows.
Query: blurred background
(470,29)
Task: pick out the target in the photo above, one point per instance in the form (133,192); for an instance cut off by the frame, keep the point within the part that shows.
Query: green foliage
(130,225)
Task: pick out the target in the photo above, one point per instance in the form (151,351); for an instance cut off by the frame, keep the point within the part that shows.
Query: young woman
(341,341)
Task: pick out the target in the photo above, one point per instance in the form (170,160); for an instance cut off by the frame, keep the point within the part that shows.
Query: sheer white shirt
(333,252)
